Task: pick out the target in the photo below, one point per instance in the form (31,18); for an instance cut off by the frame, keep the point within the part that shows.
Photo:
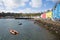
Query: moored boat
(13,32)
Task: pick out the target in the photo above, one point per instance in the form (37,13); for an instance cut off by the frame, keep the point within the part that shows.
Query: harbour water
(27,31)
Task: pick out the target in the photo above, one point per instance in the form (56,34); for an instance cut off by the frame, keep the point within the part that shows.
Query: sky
(26,6)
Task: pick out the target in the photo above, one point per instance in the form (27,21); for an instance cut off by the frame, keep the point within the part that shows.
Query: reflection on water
(27,31)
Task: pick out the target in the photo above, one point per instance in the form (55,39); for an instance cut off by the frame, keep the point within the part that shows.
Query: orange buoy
(13,32)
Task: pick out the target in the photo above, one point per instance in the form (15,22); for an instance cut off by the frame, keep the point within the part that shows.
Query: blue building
(56,12)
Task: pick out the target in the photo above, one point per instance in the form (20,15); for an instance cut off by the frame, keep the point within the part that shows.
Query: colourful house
(43,15)
(54,14)
(49,14)
(56,11)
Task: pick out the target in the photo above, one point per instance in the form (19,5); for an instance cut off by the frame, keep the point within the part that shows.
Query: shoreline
(51,26)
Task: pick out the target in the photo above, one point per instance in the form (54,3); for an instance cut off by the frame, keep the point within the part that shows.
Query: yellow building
(49,14)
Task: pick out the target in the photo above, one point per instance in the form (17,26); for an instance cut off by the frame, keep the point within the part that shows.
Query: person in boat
(14,32)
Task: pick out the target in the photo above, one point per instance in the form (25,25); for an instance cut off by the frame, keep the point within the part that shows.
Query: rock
(56,31)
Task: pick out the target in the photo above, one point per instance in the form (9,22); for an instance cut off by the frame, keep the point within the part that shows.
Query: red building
(43,15)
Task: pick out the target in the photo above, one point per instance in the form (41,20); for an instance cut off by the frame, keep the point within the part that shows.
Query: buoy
(13,32)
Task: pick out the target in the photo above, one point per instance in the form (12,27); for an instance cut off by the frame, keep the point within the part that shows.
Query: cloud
(36,3)
(28,10)
(11,4)
(14,3)
(21,2)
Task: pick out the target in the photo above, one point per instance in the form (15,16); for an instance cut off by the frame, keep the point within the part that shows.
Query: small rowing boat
(13,32)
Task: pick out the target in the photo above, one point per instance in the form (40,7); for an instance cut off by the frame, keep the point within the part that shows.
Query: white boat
(13,32)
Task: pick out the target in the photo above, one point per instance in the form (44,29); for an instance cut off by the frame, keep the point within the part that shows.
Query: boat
(13,32)
(20,24)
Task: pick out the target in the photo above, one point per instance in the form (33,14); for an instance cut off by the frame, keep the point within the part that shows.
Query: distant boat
(13,32)
(17,18)
(20,24)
